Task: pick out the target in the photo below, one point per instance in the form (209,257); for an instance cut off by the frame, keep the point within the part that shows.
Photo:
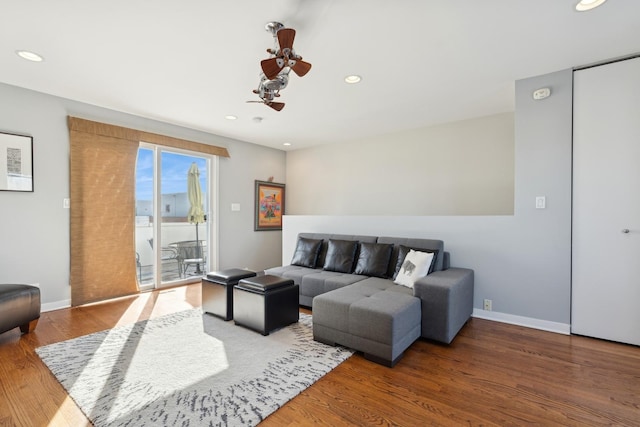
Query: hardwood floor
(493,374)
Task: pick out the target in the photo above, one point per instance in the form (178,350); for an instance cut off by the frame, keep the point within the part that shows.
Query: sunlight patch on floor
(60,417)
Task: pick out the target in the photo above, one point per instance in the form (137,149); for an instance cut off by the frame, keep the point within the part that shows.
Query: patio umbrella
(196,212)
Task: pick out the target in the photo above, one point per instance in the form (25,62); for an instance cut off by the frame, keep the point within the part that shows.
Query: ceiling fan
(284,54)
(268,90)
(275,70)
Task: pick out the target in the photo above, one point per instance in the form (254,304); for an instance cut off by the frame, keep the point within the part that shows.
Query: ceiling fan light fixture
(29,56)
(585,5)
(352,79)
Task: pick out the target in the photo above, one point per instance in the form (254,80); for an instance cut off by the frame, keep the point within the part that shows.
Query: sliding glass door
(173,215)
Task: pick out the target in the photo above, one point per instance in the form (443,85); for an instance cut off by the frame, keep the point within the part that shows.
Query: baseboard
(56,305)
(529,322)
(51,306)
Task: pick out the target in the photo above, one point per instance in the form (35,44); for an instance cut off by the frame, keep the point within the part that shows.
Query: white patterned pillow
(416,264)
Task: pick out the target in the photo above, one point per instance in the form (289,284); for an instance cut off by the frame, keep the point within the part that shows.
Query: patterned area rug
(188,369)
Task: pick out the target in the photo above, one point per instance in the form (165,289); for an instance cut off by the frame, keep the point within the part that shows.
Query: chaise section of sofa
(373,316)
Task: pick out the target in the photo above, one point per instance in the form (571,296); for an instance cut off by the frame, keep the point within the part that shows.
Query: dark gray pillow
(404,250)
(374,259)
(340,255)
(306,253)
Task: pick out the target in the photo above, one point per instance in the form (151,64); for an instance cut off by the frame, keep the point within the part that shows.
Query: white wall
(35,228)
(521,261)
(460,168)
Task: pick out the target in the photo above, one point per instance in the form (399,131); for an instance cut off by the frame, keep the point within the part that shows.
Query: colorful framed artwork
(269,206)
(16,162)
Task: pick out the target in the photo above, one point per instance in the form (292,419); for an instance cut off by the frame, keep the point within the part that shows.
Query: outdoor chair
(169,254)
(191,253)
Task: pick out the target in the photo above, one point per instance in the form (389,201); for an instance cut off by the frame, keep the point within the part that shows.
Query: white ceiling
(192,62)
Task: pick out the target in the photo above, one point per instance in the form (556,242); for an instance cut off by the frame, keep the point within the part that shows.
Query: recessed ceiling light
(352,79)
(585,5)
(29,56)
(286,144)
(230,117)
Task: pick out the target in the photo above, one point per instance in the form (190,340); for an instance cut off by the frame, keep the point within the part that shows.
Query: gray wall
(521,261)
(34,227)
(460,168)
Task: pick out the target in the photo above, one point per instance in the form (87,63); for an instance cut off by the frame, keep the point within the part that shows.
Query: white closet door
(605,299)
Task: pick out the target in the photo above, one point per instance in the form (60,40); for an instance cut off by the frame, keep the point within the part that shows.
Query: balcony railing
(181,257)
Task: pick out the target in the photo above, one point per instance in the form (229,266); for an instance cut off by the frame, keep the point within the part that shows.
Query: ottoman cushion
(265,283)
(230,276)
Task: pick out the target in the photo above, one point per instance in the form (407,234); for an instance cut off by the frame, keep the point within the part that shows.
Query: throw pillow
(402,253)
(340,255)
(416,264)
(306,253)
(373,259)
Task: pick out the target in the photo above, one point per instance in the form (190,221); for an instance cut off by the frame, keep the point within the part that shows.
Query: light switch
(66,203)
(235,206)
(541,202)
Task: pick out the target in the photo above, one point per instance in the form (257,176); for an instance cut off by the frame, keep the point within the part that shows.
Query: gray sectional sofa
(348,282)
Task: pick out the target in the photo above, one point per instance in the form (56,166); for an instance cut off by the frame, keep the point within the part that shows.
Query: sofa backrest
(325,242)
(426,244)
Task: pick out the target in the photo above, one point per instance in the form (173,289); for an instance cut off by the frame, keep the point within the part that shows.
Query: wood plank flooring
(493,374)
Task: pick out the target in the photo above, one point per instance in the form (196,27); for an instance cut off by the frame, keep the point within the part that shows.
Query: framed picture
(16,162)
(269,206)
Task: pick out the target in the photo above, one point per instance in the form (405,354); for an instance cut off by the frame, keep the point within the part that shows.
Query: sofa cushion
(293,272)
(325,237)
(402,253)
(416,264)
(340,255)
(373,259)
(325,281)
(425,245)
(306,253)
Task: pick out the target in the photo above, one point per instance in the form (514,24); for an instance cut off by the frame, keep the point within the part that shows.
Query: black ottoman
(265,303)
(19,306)
(217,291)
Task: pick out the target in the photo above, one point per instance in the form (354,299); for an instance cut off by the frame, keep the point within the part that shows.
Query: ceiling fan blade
(276,105)
(300,67)
(285,38)
(271,67)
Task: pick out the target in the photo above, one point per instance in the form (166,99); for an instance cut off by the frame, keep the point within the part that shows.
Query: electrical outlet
(487,305)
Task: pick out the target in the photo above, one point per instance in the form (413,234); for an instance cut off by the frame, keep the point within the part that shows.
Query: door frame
(212,228)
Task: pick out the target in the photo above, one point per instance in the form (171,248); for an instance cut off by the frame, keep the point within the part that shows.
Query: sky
(174,173)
